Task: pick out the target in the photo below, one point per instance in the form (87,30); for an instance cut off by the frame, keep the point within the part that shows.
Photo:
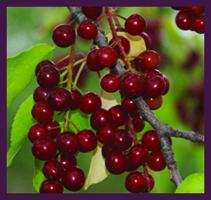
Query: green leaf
(22,121)
(193,183)
(21,69)
(38,177)
(20,128)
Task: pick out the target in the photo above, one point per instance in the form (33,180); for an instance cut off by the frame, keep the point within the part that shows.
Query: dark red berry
(106,149)
(105,132)
(167,84)
(128,104)
(135,24)
(117,115)
(138,155)
(91,61)
(37,131)
(195,10)
(53,128)
(48,77)
(121,140)
(150,59)
(76,98)
(88,140)
(147,39)
(87,30)
(98,118)
(156,161)
(124,42)
(50,186)
(132,167)
(116,162)
(151,183)
(90,102)
(178,8)
(42,64)
(198,24)
(42,112)
(155,86)
(68,161)
(92,12)
(120,29)
(73,179)
(154,103)
(68,143)
(138,124)
(133,85)
(152,72)
(40,94)
(110,83)
(184,20)
(59,99)
(44,149)
(64,35)
(106,57)
(150,140)
(53,170)
(136,182)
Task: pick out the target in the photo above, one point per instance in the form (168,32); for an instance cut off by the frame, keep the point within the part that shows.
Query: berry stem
(119,16)
(116,20)
(99,18)
(79,72)
(147,175)
(117,38)
(74,125)
(132,131)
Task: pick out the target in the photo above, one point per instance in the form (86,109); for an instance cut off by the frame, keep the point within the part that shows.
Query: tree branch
(163,131)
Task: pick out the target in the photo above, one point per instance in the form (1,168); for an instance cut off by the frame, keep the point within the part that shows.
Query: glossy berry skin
(132,167)
(150,140)
(59,99)
(42,64)
(110,83)
(135,24)
(105,132)
(50,186)
(155,86)
(198,24)
(92,12)
(121,140)
(154,103)
(151,183)
(53,128)
(195,10)
(133,85)
(98,118)
(106,57)
(91,61)
(138,125)
(116,162)
(41,94)
(106,149)
(42,112)
(37,131)
(152,72)
(87,30)
(90,102)
(156,161)
(184,20)
(117,115)
(147,39)
(48,77)
(73,179)
(128,104)
(138,155)
(88,140)
(44,149)
(167,85)
(68,143)
(53,170)
(68,161)
(64,35)
(136,182)
(150,59)
(124,42)
(76,97)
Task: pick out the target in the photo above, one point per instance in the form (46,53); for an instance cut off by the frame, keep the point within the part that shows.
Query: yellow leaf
(97,170)
(137,45)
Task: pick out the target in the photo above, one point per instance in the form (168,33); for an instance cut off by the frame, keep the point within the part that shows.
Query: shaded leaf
(194,183)
(21,69)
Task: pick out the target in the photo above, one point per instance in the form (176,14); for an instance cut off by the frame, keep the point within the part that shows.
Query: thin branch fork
(163,130)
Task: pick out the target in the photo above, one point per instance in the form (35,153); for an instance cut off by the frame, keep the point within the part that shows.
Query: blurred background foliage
(182,61)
